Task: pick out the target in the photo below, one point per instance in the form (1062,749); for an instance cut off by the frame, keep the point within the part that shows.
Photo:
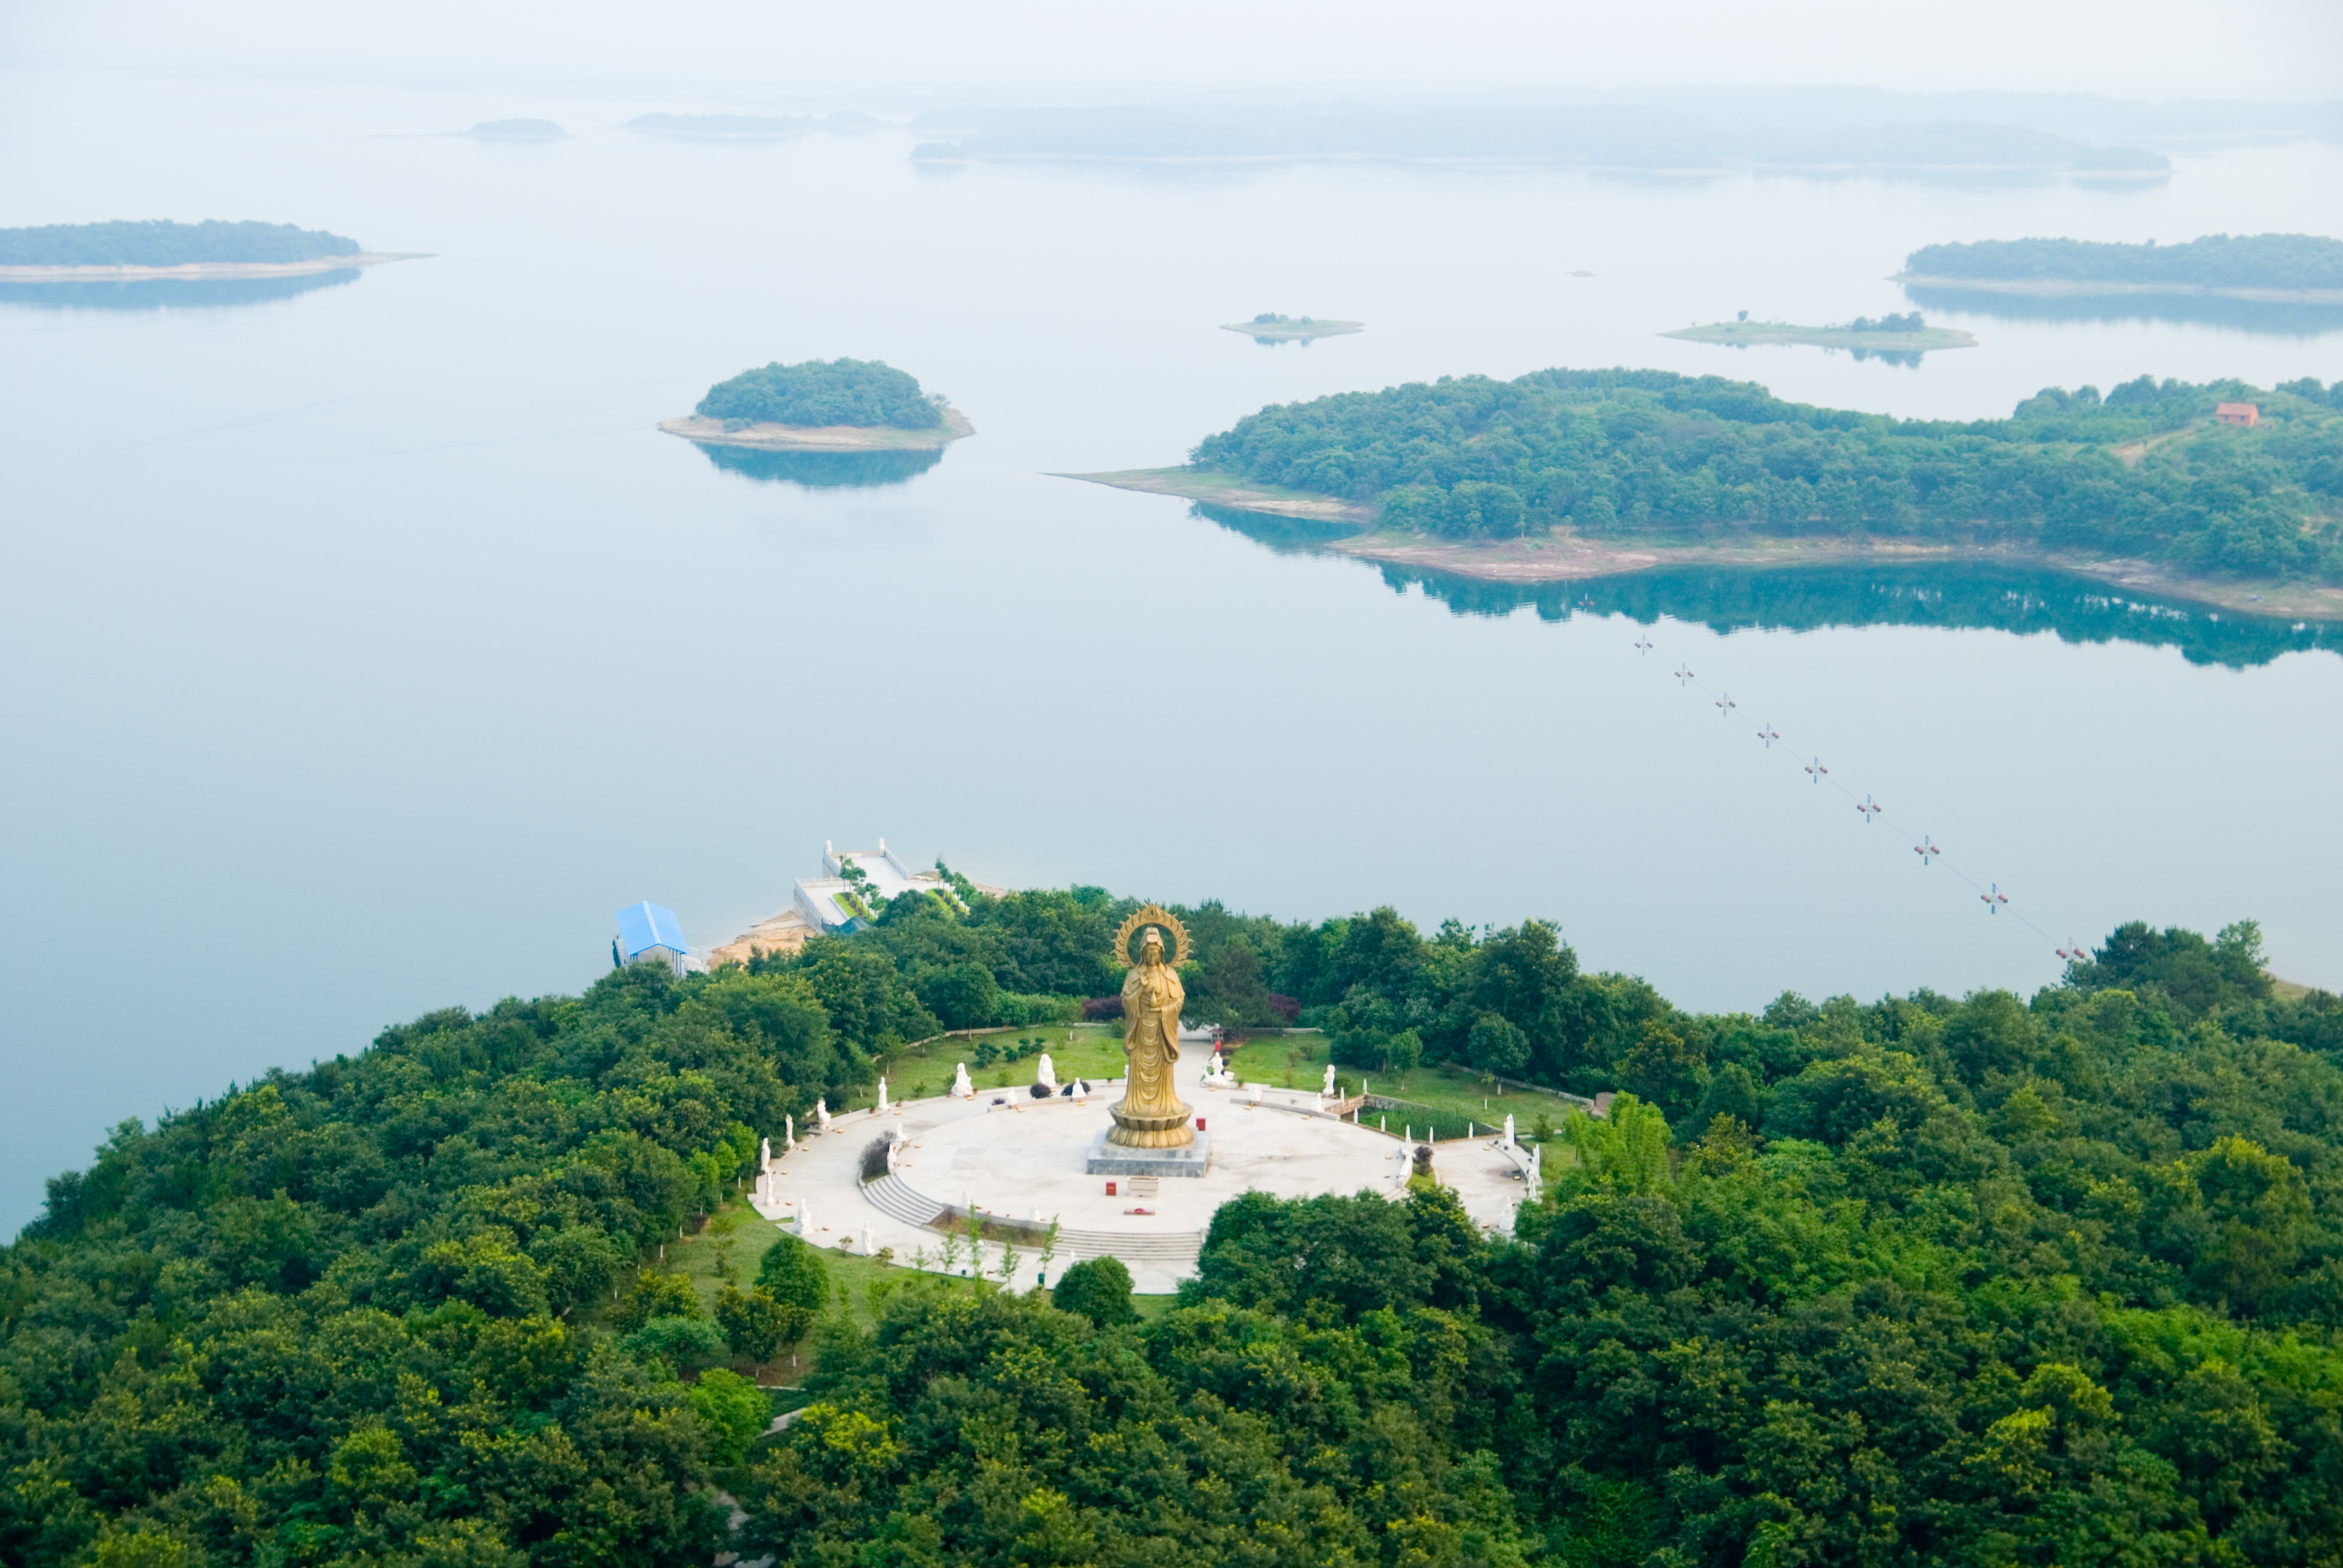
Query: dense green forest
(159,242)
(2216,261)
(817,392)
(1925,1279)
(1613,452)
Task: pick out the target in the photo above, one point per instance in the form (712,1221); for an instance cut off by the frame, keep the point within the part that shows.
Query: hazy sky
(2270,49)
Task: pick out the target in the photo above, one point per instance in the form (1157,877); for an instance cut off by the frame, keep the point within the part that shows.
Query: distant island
(1906,334)
(1271,328)
(516,131)
(2279,266)
(2200,491)
(76,252)
(838,405)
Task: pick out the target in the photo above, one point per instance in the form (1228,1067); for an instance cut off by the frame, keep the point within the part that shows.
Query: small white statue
(1082,1091)
(1328,1092)
(764,1154)
(881,1109)
(1509,1131)
(1256,1095)
(805,1220)
(1047,1072)
(869,1247)
(821,1112)
(1218,1073)
(961,1087)
(790,1124)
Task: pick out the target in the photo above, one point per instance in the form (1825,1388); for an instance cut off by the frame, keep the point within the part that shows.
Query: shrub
(684,1343)
(1098,1288)
(655,1293)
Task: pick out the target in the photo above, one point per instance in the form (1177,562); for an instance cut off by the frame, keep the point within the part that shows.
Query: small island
(1271,328)
(1899,335)
(516,131)
(2294,267)
(832,406)
(159,248)
(1566,474)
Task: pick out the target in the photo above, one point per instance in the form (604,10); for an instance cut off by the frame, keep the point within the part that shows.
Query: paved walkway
(1021,1159)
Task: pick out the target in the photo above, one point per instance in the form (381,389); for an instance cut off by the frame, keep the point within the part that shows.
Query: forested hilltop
(1917,1281)
(2143,471)
(863,392)
(2259,261)
(158,243)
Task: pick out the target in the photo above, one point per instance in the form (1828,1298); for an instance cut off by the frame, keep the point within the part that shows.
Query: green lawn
(738,1237)
(1454,1098)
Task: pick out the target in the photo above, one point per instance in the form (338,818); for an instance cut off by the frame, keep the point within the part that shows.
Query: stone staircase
(898,1199)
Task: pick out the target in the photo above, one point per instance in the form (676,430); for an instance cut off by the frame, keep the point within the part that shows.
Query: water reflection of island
(2276,318)
(826,470)
(170,292)
(1806,598)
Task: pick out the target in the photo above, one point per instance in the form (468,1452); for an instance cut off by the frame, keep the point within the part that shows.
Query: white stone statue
(961,1087)
(869,1248)
(881,1108)
(1047,1072)
(805,1220)
(1328,1092)
(789,1124)
(821,1112)
(1082,1091)
(764,1154)
(1509,1131)
(1255,1100)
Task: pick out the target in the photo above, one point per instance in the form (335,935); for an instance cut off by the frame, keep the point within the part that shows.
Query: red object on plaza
(1199,1124)
(1110,1189)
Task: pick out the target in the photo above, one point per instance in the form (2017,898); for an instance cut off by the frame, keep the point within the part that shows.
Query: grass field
(737,1239)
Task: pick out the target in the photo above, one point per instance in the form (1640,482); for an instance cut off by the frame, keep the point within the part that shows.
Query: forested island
(1987,1278)
(210,248)
(1269,326)
(827,405)
(1903,336)
(2289,266)
(1572,473)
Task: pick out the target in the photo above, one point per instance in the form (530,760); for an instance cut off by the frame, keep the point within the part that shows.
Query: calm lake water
(370,646)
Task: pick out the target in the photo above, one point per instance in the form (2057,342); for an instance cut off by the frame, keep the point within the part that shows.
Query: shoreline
(821,438)
(2054,287)
(1741,334)
(206,270)
(1565,556)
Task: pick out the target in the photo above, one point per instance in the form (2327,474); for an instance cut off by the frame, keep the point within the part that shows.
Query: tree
(1496,1045)
(794,1274)
(1098,1288)
(757,1324)
(963,995)
(655,1293)
(733,1410)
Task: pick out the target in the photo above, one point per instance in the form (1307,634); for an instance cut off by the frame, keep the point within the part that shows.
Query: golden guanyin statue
(1150,1114)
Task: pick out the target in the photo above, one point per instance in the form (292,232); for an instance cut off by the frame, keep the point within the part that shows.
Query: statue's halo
(1150,915)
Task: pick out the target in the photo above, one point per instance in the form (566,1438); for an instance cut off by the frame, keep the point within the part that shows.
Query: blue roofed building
(649,933)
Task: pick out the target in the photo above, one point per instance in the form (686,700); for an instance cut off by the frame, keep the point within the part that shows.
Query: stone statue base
(1158,1130)
(1116,1160)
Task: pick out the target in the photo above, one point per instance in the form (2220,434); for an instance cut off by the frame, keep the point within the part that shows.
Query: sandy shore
(2049,287)
(822,437)
(1564,556)
(203,270)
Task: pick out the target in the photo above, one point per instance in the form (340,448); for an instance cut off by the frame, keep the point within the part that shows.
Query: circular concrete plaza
(1022,1160)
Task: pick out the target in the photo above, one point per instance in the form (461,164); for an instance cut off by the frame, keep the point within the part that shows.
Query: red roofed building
(2239,414)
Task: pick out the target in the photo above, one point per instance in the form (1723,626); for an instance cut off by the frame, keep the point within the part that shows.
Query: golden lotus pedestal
(1158,1145)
